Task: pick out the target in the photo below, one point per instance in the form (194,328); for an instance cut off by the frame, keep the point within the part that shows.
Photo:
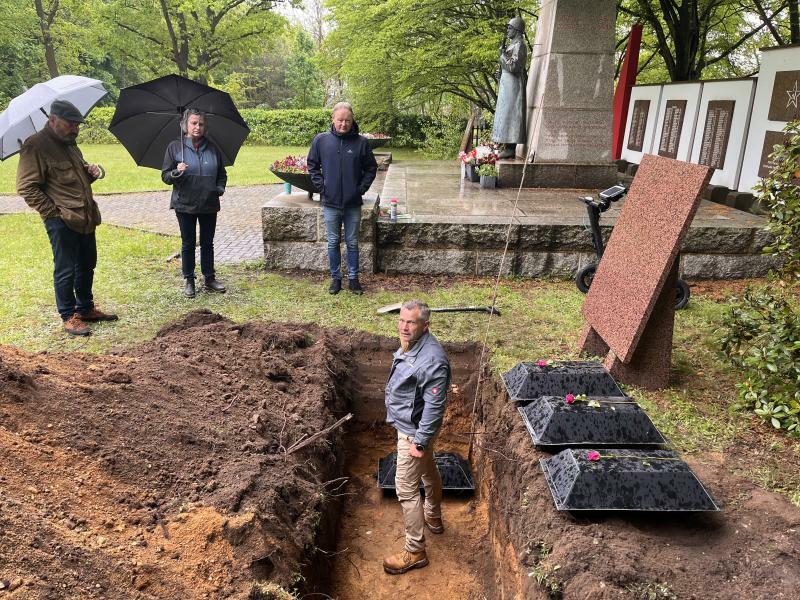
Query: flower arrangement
(469,158)
(487,170)
(485,155)
(594,402)
(544,362)
(290,164)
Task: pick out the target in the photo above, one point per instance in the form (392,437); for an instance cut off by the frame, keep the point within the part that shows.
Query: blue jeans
(188,225)
(74,261)
(334,219)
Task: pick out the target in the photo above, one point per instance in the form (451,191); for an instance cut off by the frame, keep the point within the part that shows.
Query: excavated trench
(171,470)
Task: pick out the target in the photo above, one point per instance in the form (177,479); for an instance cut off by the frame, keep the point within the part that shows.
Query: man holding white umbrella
(55,180)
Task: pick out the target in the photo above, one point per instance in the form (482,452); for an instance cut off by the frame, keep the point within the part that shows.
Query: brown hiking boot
(75,326)
(97,315)
(405,561)
(435,524)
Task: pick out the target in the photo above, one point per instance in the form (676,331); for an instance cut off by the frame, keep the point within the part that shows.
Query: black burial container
(528,381)
(617,421)
(455,471)
(629,480)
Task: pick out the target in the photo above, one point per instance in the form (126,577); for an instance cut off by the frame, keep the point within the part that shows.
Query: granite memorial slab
(528,380)
(624,480)
(589,421)
(569,97)
(634,287)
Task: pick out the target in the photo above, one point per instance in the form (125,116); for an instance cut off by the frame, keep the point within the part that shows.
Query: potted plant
(488,175)
(294,171)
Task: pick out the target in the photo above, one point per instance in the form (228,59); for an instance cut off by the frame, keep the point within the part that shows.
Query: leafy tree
(302,74)
(194,37)
(690,36)
(404,53)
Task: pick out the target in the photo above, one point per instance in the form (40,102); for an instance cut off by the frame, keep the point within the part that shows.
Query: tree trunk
(794,21)
(45,21)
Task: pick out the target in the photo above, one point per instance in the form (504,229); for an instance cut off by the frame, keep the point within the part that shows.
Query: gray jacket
(417,389)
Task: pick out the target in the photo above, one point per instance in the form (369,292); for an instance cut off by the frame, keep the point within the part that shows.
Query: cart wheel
(682,294)
(584,278)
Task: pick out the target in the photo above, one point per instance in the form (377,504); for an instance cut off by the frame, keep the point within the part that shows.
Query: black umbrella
(148,118)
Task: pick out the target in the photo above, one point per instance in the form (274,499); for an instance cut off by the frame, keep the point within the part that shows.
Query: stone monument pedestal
(570,96)
(555,175)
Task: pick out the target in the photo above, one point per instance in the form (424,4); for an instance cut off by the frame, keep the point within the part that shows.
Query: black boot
(355,287)
(215,285)
(189,290)
(335,287)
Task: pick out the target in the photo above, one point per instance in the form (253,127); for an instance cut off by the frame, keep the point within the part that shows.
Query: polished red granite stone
(645,242)
(630,308)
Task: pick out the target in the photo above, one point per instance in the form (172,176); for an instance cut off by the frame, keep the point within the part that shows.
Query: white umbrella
(27,113)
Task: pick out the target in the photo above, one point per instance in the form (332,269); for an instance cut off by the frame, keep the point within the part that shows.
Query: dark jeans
(334,218)
(188,224)
(74,261)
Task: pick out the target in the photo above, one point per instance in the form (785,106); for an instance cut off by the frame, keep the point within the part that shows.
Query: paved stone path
(238,236)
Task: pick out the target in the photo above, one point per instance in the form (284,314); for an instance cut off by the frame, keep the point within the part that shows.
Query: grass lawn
(541,319)
(122,174)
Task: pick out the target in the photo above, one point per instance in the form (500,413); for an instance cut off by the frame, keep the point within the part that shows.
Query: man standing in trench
(415,401)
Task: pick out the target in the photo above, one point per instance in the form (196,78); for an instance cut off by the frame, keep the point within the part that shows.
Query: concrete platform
(447,225)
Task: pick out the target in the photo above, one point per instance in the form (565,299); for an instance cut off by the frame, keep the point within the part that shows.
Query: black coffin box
(528,381)
(617,421)
(455,471)
(630,480)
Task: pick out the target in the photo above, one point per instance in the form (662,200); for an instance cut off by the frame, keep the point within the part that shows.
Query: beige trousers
(410,471)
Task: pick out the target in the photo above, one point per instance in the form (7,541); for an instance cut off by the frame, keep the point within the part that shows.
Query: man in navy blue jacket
(342,167)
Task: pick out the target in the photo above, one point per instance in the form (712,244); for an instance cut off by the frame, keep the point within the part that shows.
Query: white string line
(500,272)
(494,290)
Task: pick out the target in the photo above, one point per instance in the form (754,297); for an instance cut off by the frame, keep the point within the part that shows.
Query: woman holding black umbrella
(194,167)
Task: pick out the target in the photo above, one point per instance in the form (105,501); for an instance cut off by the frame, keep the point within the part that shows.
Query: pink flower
(593,455)
(541,363)
(569,398)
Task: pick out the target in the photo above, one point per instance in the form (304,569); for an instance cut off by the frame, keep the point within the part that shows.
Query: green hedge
(288,127)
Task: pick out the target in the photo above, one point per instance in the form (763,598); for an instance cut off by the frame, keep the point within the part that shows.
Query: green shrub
(761,338)
(406,130)
(95,130)
(443,137)
(285,127)
(293,127)
(779,194)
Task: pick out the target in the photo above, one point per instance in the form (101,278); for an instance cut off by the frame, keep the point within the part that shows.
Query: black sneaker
(355,287)
(336,286)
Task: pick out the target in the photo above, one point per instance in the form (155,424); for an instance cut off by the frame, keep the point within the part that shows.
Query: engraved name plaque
(638,125)
(671,128)
(716,133)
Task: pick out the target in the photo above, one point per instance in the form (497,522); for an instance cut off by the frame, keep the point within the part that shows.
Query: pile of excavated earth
(185,467)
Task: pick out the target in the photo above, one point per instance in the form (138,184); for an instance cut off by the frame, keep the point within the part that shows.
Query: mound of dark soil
(161,471)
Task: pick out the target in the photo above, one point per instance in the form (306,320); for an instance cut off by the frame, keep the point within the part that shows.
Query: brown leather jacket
(52,179)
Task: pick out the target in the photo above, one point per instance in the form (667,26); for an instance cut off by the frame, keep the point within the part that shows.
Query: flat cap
(67,111)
